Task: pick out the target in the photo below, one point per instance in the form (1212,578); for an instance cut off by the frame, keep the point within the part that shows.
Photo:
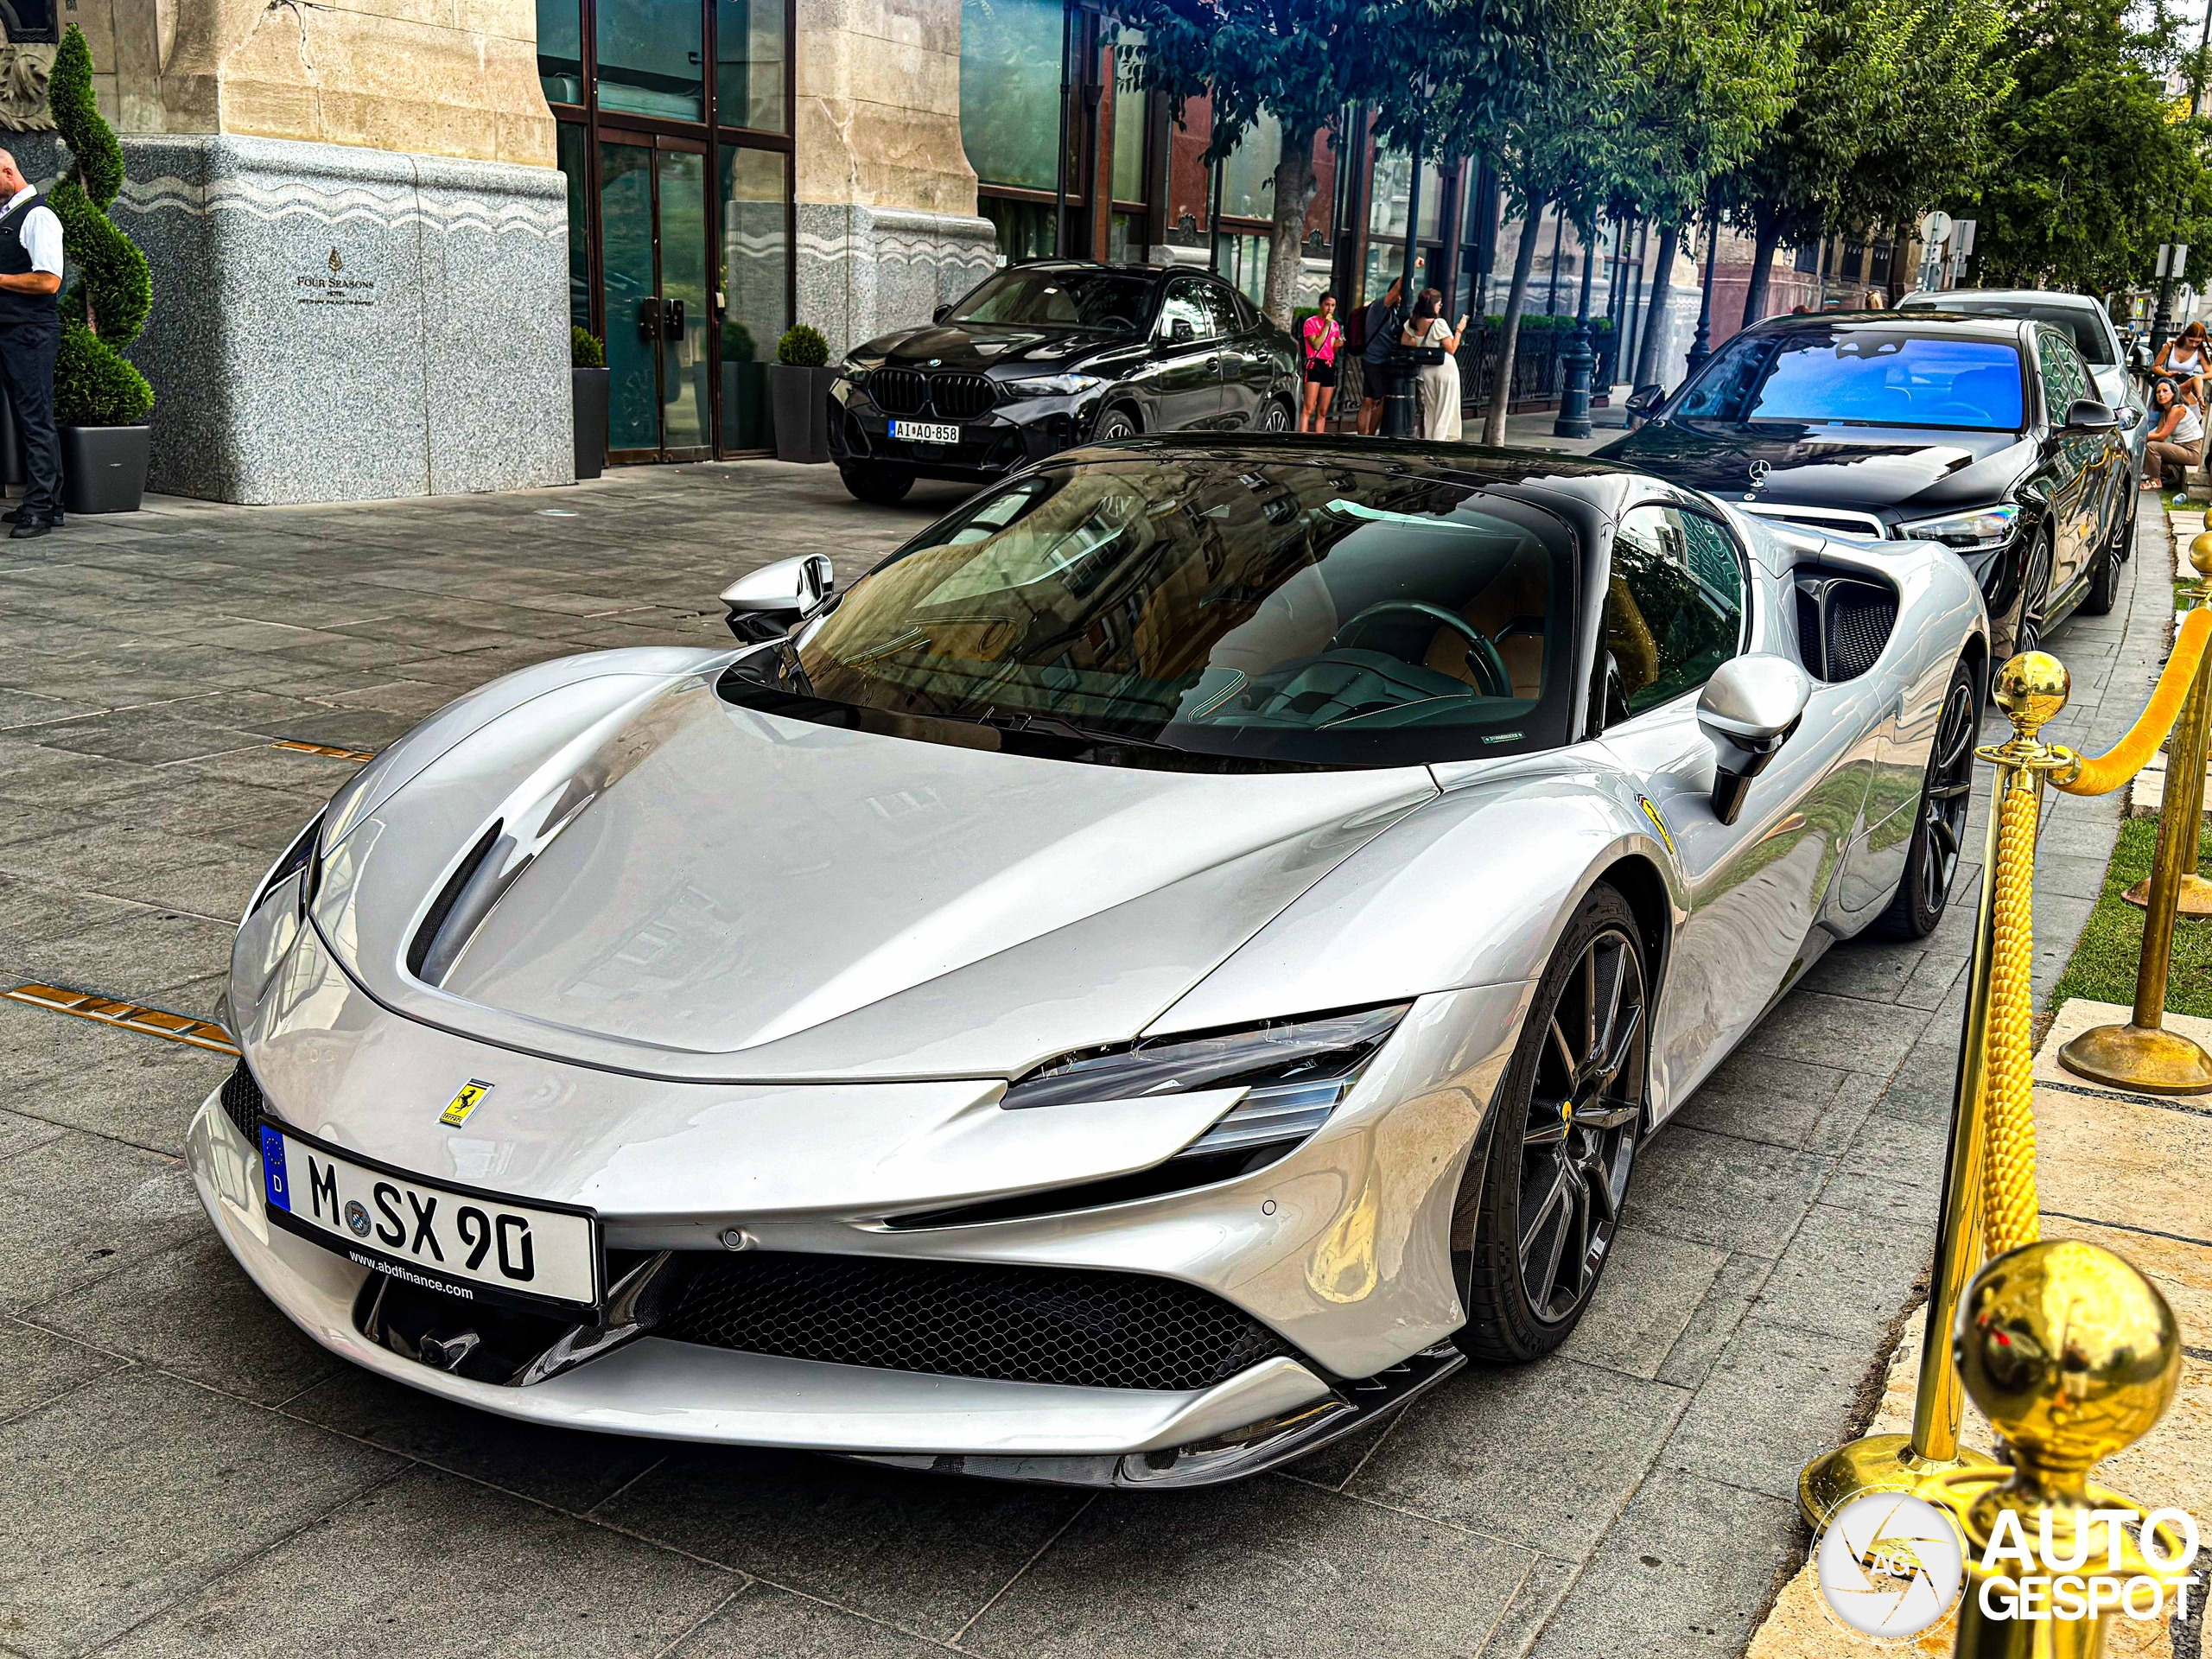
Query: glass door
(652,204)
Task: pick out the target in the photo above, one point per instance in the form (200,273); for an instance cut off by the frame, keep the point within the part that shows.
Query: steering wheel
(1492,678)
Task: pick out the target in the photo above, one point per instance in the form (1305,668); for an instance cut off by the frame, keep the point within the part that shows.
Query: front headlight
(299,855)
(1966,532)
(1294,1073)
(1052,385)
(854,370)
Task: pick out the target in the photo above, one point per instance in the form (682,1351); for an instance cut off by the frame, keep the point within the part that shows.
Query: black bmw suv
(1983,433)
(1040,358)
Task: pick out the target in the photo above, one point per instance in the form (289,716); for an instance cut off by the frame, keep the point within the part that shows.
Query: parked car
(1983,434)
(1042,356)
(2084,320)
(1174,961)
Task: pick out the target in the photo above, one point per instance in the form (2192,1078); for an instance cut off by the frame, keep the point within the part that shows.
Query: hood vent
(446,929)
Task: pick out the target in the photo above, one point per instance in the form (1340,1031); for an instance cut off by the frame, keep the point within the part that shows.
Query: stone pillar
(887,227)
(359,243)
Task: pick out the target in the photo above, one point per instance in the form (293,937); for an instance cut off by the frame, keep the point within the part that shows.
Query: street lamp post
(1573,420)
(1702,345)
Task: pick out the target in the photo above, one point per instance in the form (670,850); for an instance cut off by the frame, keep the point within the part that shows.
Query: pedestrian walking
(1323,336)
(1438,343)
(30,332)
(1381,324)
(2178,440)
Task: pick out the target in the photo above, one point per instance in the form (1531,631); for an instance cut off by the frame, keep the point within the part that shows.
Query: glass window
(1386,214)
(1010,90)
(1674,604)
(754,287)
(1247,177)
(1244,258)
(1186,303)
(1027,230)
(2064,378)
(1061,299)
(1128,121)
(2084,326)
(1862,378)
(569,146)
(1267,612)
(561,52)
(1223,304)
(650,58)
(749,39)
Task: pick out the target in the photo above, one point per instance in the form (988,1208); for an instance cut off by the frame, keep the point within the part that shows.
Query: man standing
(1384,318)
(30,332)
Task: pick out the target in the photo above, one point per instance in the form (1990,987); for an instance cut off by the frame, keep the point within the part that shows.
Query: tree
(108,303)
(1933,142)
(2090,166)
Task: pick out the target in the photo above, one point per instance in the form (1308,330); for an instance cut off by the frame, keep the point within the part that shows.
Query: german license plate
(467,1243)
(925,432)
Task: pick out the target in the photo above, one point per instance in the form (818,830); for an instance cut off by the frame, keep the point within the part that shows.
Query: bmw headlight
(1294,1073)
(1052,385)
(1978,531)
(854,370)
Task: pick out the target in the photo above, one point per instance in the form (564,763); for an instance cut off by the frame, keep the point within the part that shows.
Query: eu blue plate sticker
(272,1168)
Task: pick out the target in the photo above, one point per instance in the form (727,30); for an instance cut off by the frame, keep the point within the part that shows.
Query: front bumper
(1006,439)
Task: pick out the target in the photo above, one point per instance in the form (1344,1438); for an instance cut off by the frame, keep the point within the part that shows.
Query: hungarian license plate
(467,1243)
(925,432)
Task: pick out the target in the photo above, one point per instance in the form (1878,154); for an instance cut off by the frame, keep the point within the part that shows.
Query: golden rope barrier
(2009,1217)
(2142,1055)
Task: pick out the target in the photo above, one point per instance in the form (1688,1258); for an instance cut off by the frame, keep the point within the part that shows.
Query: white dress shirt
(40,231)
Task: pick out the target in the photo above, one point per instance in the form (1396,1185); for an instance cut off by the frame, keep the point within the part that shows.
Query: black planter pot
(588,389)
(801,399)
(104,467)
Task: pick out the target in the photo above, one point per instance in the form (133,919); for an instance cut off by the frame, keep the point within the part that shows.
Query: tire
(874,485)
(1932,862)
(1570,1168)
(2034,603)
(2135,505)
(1275,418)
(1115,424)
(2104,583)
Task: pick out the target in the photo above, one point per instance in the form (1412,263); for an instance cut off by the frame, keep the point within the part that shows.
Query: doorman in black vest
(30,330)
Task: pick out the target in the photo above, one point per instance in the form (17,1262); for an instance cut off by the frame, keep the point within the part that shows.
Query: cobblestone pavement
(181,1473)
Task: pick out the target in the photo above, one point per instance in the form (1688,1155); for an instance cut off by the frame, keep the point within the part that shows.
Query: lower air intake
(951,1319)
(242,1102)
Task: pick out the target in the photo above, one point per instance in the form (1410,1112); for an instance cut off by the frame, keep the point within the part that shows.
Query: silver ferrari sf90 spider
(1169,964)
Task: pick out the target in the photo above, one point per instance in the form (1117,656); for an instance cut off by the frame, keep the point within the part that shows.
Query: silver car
(1174,961)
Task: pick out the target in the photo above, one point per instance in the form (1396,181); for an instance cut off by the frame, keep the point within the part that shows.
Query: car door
(2072,458)
(1679,593)
(1185,375)
(1246,365)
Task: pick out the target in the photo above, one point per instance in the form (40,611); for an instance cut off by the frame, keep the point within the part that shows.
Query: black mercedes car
(1982,433)
(1041,357)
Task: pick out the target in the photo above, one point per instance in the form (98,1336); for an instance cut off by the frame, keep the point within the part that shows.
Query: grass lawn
(2103,968)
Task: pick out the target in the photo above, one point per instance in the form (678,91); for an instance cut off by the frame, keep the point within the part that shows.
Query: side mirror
(1181,332)
(771,600)
(940,313)
(1644,402)
(1747,711)
(2088,415)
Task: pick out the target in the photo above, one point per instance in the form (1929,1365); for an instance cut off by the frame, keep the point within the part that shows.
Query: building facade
(371,227)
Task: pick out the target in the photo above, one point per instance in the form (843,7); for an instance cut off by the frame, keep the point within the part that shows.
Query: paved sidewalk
(181,1473)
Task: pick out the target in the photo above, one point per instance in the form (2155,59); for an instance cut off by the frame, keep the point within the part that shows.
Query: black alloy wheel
(1115,424)
(1541,1212)
(2104,576)
(876,484)
(1940,828)
(2035,599)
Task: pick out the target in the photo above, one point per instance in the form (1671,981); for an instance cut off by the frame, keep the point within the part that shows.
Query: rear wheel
(1543,1207)
(1275,418)
(1932,860)
(875,485)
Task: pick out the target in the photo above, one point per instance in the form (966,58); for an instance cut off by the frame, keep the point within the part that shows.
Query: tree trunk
(1654,312)
(1517,301)
(1294,187)
(1769,235)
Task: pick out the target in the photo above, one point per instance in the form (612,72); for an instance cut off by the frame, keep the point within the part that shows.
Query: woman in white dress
(1439,382)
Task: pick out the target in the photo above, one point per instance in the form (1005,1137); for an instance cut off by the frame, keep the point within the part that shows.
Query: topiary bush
(585,351)
(107,305)
(801,347)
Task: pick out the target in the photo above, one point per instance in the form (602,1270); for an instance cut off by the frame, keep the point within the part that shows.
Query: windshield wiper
(1020,721)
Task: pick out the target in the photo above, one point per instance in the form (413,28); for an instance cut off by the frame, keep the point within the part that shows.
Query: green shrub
(803,348)
(738,345)
(107,307)
(585,351)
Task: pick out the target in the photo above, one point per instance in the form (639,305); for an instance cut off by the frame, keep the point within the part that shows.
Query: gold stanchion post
(2031,690)
(2195,899)
(2142,1055)
(2073,1355)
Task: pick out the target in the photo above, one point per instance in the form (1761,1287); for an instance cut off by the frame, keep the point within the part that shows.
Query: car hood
(991,350)
(1898,472)
(690,888)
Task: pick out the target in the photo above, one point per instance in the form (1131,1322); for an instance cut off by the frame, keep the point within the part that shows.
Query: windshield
(1273,613)
(1862,378)
(1061,299)
(2079,324)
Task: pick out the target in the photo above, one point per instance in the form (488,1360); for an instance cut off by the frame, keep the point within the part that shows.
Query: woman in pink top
(1323,336)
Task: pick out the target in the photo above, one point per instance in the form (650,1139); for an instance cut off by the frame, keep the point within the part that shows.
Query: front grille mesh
(241,1102)
(961,397)
(901,391)
(951,1319)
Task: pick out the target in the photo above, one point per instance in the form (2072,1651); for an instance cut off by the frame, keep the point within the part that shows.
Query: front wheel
(1543,1207)
(1932,860)
(1115,424)
(2034,603)
(876,486)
